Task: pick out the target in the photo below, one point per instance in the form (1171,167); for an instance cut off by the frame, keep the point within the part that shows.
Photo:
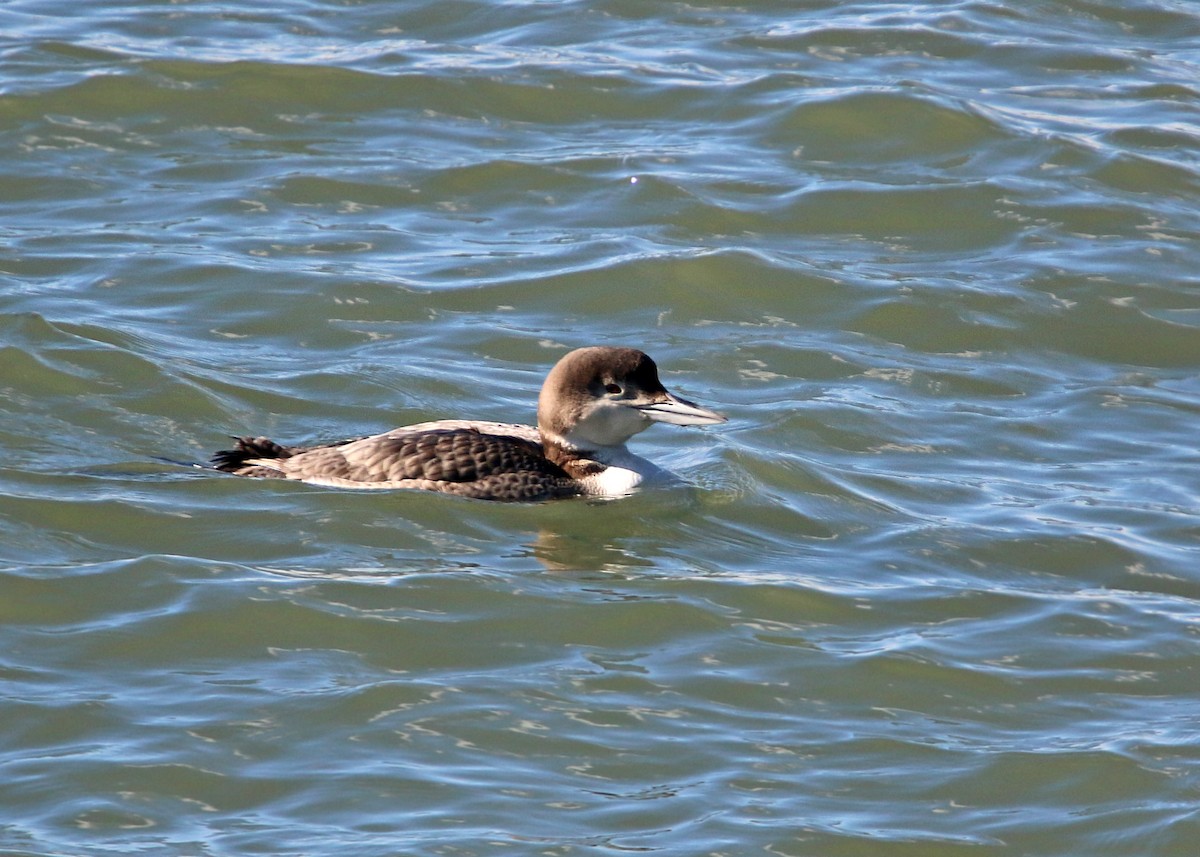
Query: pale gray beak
(680,412)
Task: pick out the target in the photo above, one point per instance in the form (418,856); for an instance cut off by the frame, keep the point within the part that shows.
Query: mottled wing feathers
(461,461)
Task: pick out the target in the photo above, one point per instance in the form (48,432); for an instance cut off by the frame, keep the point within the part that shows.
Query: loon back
(461,461)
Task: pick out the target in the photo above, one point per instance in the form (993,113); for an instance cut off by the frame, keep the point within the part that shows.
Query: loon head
(600,397)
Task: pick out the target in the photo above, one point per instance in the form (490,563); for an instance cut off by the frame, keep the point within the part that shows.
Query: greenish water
(934,590)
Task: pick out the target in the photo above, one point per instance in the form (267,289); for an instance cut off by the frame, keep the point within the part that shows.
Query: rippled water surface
(933,591)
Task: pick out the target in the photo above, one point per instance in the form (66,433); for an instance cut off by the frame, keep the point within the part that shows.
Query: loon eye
(615,389)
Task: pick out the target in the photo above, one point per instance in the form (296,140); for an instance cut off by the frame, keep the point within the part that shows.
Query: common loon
(592,402)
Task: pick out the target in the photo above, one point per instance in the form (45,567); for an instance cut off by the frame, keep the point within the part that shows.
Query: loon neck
(569,456)
(603,471)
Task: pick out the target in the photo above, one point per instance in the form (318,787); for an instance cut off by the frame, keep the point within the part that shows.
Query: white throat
(605,426)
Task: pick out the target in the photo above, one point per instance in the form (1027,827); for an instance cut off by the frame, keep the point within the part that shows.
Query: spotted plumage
(455,461)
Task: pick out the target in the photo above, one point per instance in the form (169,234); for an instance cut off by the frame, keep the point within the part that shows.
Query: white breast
(623,474)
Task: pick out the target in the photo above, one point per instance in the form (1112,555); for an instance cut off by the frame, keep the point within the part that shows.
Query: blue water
(932,591)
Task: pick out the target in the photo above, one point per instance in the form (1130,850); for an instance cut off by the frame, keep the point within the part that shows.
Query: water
(932,591)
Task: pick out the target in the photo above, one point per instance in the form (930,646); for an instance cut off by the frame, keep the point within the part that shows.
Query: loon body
(592,402)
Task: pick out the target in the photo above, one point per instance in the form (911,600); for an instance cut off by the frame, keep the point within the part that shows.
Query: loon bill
(592,402)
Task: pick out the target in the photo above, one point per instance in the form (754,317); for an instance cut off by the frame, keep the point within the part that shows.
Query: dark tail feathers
(246,449)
